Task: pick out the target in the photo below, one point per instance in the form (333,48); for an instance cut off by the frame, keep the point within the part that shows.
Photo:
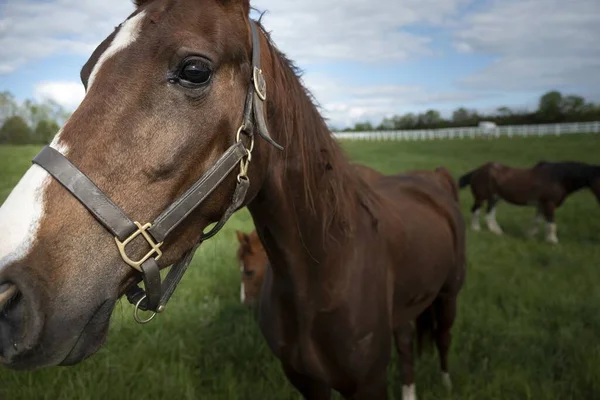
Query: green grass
(527,328)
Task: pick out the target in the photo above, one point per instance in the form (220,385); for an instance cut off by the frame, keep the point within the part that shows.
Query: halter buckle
(155,247)
(260,85)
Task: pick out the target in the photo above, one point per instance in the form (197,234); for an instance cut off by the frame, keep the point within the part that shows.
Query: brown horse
(545,186)
(252,257)
(353,261)
(253,261)
(254,264)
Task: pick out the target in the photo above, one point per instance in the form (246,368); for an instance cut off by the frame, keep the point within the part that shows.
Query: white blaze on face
(21,213)
(126,35)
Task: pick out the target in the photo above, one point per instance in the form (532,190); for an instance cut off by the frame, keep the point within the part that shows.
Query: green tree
(551,106)
(406,121)
(573,105)
(45,130)
(430,119)
(8,106)
(15,131)
(363,126)
(464,117)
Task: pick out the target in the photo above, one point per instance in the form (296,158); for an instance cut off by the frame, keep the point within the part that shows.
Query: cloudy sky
(363,59)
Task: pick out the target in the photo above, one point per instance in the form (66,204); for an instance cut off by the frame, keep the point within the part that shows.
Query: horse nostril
(7,292)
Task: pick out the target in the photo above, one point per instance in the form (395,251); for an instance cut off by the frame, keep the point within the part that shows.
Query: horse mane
(331,190)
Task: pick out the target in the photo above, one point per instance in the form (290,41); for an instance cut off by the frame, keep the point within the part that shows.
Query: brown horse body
(545,186)
(363,291)
(254,265)
(354,260)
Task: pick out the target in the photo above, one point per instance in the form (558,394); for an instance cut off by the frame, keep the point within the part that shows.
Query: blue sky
(363,60)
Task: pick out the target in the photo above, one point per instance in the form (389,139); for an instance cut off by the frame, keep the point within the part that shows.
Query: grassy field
(527,328)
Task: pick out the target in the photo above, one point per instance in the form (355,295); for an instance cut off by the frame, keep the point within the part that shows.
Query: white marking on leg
(409,392)
(128,33)
(446,381)
(475,220)
(492,223)
(551,233)
(242,293)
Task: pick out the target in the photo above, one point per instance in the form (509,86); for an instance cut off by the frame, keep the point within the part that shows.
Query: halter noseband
(157,294)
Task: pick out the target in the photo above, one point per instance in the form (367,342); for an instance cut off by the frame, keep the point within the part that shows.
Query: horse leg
(445,314)
(535,226)
(475,209)
(311,389)
(374,389)
(548,209)
(403,336)
(491,216)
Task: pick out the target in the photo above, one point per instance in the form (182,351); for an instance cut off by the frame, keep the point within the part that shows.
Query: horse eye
(195,72)
(249,273)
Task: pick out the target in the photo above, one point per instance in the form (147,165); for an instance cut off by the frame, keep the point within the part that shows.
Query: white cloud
(67,94)
(308,31)
(354,30)
(539,44)
(345,105)
(32,30)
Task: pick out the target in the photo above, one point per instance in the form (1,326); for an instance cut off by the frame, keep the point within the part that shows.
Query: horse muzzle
(21,322)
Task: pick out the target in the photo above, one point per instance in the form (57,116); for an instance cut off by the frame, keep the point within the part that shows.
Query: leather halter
(124,229)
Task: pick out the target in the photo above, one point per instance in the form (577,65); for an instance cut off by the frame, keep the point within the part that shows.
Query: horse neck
(304,211)
(580,177)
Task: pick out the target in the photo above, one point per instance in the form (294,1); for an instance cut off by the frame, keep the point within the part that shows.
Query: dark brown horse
(252,257)
(254,264)
(544,186)
(353,260)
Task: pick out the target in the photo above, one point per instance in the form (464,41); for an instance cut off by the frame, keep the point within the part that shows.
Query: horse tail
(425,327)
(465,180)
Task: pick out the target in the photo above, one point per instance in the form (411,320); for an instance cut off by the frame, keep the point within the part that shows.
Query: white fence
(471,132)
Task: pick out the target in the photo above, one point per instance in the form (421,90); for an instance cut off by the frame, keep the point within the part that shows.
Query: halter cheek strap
(125,230)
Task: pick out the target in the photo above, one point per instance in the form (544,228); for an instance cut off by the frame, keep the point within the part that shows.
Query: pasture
(527,326)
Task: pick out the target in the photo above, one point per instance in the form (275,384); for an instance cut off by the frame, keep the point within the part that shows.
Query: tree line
(553,107)
(31,122)
(37,122)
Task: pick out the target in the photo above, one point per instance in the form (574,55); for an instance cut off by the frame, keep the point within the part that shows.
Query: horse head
(175,92)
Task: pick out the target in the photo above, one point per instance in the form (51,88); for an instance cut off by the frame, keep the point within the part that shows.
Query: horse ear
(139,3)
(242,237)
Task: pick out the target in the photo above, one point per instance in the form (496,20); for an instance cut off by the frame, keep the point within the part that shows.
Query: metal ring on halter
(136,311)
(241,129)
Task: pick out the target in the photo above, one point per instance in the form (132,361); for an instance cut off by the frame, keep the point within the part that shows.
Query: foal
(545,186)
(253,262)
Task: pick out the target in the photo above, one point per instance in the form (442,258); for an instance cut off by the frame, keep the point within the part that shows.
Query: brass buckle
(141,231)
(259,83)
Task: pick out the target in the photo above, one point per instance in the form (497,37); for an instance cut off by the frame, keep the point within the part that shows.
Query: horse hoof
(446,381)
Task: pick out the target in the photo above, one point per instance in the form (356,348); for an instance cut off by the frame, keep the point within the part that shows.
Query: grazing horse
(190,114)
(253,261)
(546,185)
